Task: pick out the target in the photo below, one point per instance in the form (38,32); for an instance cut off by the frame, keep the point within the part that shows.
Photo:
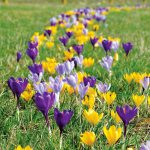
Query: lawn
(18,22)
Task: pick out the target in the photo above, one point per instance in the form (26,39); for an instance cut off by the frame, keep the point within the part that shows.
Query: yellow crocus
(88,138)
(109,97)
(80,76)
(128,78)
(68,54)
(69,88)
(92,116)
(49,65)
(28,93)
(91,92)
(138,100)
(148,100)
(26,148)
(115,116)
(89,101)
(116,57)
(49,44)
(112,134)
(88,62)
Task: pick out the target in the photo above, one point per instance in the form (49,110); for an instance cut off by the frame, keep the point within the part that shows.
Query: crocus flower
(78,60)
(109,97)
(60,69)
(145,82)
(112,134)
(93,41)
(44,102)
(91,80)
(72,80)
(138,100)
(69,66)
(64,40)
(92,116)
(32,45)
(69,34)
(115,116)
(103,87)
(56,84)
(62,118)
(40,87)
(106,62)
(32,53)
(47,32)
(127,47)
(88,138)
(115,45)
(53,21)
(17,86)
(106,45)
(19,147)
(36,69)
(78,48)
(126,113)
(19,55)
(82,89)
(35,77)
(145,146)
(88,62)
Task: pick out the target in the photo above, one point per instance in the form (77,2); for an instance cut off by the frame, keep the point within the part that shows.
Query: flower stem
(60,144)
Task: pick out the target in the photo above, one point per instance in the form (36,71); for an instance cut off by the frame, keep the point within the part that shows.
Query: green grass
(17,24)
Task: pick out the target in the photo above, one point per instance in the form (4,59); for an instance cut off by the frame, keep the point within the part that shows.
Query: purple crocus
(72,80)
(78,60)
(82,89)
(36,69)
(69,34)
(145,146)
(47,32)
(126,113)
(44,102)
(62,118)
(19,55)
(32,53)
(115,45)
(64,40)
(35,77)
(53,21)
(127,47)
(103,87)
(145,82)
(32,45)
(69,66)
(93,41)
(91,80)
(60,69)
(106,44)
(106,62)
(17,86)
(41,87)
(78,48)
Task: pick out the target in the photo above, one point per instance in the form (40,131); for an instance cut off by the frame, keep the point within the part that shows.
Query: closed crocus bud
(82,89)
(19,55)
(127,47)
(62,118)
(72,80)
(116,57)
(32,53)
(44,102)
(106,45)
(60,69)
(93,41)
(69,34)
(126,113)
(145,82)
(103,87)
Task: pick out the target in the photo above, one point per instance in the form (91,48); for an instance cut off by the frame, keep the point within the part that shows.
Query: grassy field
(18,22)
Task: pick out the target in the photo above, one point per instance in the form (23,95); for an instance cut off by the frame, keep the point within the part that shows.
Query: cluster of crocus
(52,78)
